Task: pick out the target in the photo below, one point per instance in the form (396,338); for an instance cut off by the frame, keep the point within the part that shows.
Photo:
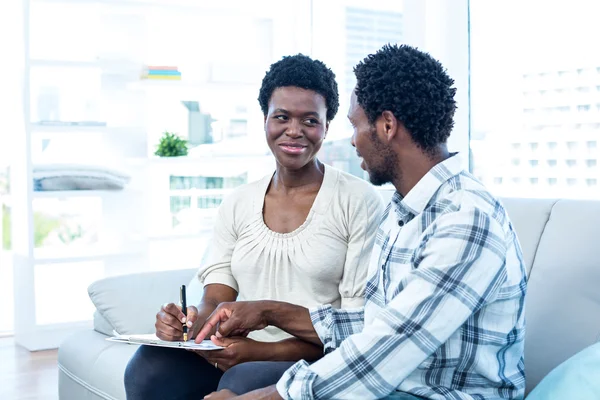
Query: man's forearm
(291,318)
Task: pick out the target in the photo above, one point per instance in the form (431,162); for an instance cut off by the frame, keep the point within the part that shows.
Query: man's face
(378,159)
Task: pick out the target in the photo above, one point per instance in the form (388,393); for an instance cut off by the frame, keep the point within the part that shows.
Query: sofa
(560,241)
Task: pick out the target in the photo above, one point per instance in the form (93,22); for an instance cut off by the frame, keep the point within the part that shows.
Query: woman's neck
(309,176)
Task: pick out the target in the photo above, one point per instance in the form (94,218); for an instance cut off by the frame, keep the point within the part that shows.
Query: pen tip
(185,337)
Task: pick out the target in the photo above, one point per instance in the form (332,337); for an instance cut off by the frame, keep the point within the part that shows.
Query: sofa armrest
(129,303)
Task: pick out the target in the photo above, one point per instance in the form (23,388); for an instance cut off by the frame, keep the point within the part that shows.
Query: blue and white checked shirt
(444,308)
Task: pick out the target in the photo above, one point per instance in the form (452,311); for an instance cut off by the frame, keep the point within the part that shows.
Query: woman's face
(295,125)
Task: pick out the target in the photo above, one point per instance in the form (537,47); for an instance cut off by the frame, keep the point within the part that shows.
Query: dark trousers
(246,377)
(176,374)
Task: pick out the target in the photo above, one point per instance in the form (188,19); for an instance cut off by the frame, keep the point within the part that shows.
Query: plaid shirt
(444,308)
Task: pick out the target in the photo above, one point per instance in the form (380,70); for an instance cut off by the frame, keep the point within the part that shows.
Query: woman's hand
(237,350)
(170,320)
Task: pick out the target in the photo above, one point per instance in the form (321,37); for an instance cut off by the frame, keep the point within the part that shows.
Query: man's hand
(170,320)
(234,319)
(223,394)
(237,350)
(268,393)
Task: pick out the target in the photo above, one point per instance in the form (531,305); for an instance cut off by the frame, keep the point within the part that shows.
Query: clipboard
(153,340)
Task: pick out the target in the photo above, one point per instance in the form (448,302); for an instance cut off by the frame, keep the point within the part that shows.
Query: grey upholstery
(561,246)
(563,300)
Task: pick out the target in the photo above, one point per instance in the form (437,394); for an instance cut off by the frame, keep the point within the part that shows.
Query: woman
(301,235)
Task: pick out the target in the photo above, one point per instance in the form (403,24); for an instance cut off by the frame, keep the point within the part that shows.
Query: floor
(27,375)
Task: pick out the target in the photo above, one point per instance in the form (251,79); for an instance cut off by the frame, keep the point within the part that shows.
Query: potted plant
(171,145)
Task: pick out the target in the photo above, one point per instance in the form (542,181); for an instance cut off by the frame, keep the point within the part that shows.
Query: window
(516,161)
(516,146)
(498,180)
(533,163)
(572,145)
(516,180)
(591,163)
(583,108)
(568,111)
(533,181)
(591,182)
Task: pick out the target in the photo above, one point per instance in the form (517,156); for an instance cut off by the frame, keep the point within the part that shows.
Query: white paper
(153,340)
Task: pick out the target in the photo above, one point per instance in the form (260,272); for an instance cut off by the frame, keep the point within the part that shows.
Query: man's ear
(389,124)
(326,128)
(265,119)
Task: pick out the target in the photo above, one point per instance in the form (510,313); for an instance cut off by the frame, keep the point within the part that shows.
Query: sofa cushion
(96,365)
(576,378)
(130,302)
(563,300)
(529,218)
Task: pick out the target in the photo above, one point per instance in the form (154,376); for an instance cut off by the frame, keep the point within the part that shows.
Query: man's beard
(384,170)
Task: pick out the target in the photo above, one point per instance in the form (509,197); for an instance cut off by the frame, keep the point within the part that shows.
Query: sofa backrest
(563,294)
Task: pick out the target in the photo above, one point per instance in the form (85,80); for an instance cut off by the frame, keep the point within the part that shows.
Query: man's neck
(415,165)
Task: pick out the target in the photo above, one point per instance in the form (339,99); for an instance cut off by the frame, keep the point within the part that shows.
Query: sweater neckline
(319,204)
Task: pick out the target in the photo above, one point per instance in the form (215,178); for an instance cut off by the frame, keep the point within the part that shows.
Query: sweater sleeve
(217,266)
(363,221)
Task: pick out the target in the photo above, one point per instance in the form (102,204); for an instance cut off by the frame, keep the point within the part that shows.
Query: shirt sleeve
(333,326)
(217,266)
(363,222)
(458,268)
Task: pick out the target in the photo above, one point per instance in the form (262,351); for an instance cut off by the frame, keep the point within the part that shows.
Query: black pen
(184,310)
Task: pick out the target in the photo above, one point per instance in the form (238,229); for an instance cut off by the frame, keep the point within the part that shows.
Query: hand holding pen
(171,320)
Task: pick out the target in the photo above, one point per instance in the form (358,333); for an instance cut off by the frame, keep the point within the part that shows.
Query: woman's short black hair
(303,72)
(414,87)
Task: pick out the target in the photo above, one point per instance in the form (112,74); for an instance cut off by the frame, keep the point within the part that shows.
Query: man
(444,307)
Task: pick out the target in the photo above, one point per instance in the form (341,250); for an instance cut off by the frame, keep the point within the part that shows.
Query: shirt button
(400,223)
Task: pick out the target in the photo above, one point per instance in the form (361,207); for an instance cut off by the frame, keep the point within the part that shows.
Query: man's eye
(312,121)
(281,117)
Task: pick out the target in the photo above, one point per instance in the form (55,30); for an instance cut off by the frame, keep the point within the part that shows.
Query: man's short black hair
(414,87)
(303,72)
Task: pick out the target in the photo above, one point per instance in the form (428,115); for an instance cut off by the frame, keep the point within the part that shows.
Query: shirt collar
(419,196)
